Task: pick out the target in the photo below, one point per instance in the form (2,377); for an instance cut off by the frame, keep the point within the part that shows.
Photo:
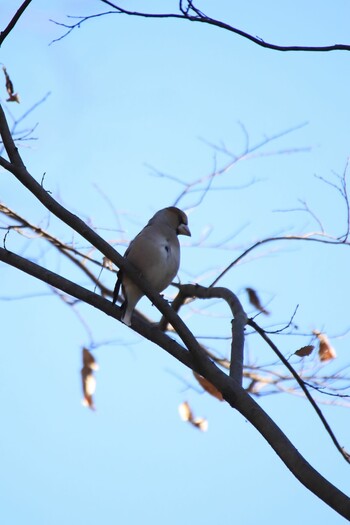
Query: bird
(155,253)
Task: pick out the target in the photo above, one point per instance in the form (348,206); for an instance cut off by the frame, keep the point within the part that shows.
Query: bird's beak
(183,229)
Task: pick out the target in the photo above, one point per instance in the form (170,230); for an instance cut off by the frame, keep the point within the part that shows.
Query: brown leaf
(185,411)
(208,387)
(255,301)
(88,378)
(304,351)
(186,415)
(89,387)
(89,360)
(13,97)
(201,423)
(326,352)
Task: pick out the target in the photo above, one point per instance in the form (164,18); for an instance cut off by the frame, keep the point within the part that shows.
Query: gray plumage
(155,252)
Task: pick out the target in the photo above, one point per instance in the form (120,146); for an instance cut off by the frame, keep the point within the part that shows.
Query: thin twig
(318,237)
(302,385)
(200,17)
(65,249)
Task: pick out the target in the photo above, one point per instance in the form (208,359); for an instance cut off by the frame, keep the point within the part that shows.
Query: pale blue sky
(130,94)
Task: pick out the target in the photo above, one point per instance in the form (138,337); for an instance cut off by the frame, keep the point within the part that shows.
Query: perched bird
(155,252)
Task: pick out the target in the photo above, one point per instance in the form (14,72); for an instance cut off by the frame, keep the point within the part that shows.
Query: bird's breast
(165,266)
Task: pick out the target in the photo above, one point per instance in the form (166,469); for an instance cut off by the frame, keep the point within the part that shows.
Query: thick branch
(18,169)
(231,391)
(147,330)
(196,358)
(237,344)
(302,470)
(5,164)
(238,322)
(66,250)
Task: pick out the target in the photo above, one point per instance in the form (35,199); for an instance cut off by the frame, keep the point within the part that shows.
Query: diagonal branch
(13,21)
(67,251)
(238,323)
(195,358)
(232,392)
(18,169)
(140,326)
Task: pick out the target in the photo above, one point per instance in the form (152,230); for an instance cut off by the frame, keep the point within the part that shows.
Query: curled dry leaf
(185,411)
(13,97)
(201,423)
(88,378)
(208,387)
(255,301)
(89,360)
(186,414)
(326,352)
(89,387)
(304,351)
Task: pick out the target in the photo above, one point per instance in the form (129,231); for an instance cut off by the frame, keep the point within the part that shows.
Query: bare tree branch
(17,168)
(238,322)
(13,21)
(248,153)
(232,392)
(192,354)
(311,237)
(236,365)
(302,385)
(66,250)
(198,16)
(145,329)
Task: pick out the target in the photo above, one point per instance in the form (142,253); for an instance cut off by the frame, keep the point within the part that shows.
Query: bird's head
(178,219)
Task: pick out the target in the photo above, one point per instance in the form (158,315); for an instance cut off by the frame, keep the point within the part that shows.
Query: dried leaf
(325,351)
(185,411)
(89,360)
(89,387)
(208,387)
(88,378)
(186,415)
(304,351)
(255,301)
(13,97)
(201,423)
